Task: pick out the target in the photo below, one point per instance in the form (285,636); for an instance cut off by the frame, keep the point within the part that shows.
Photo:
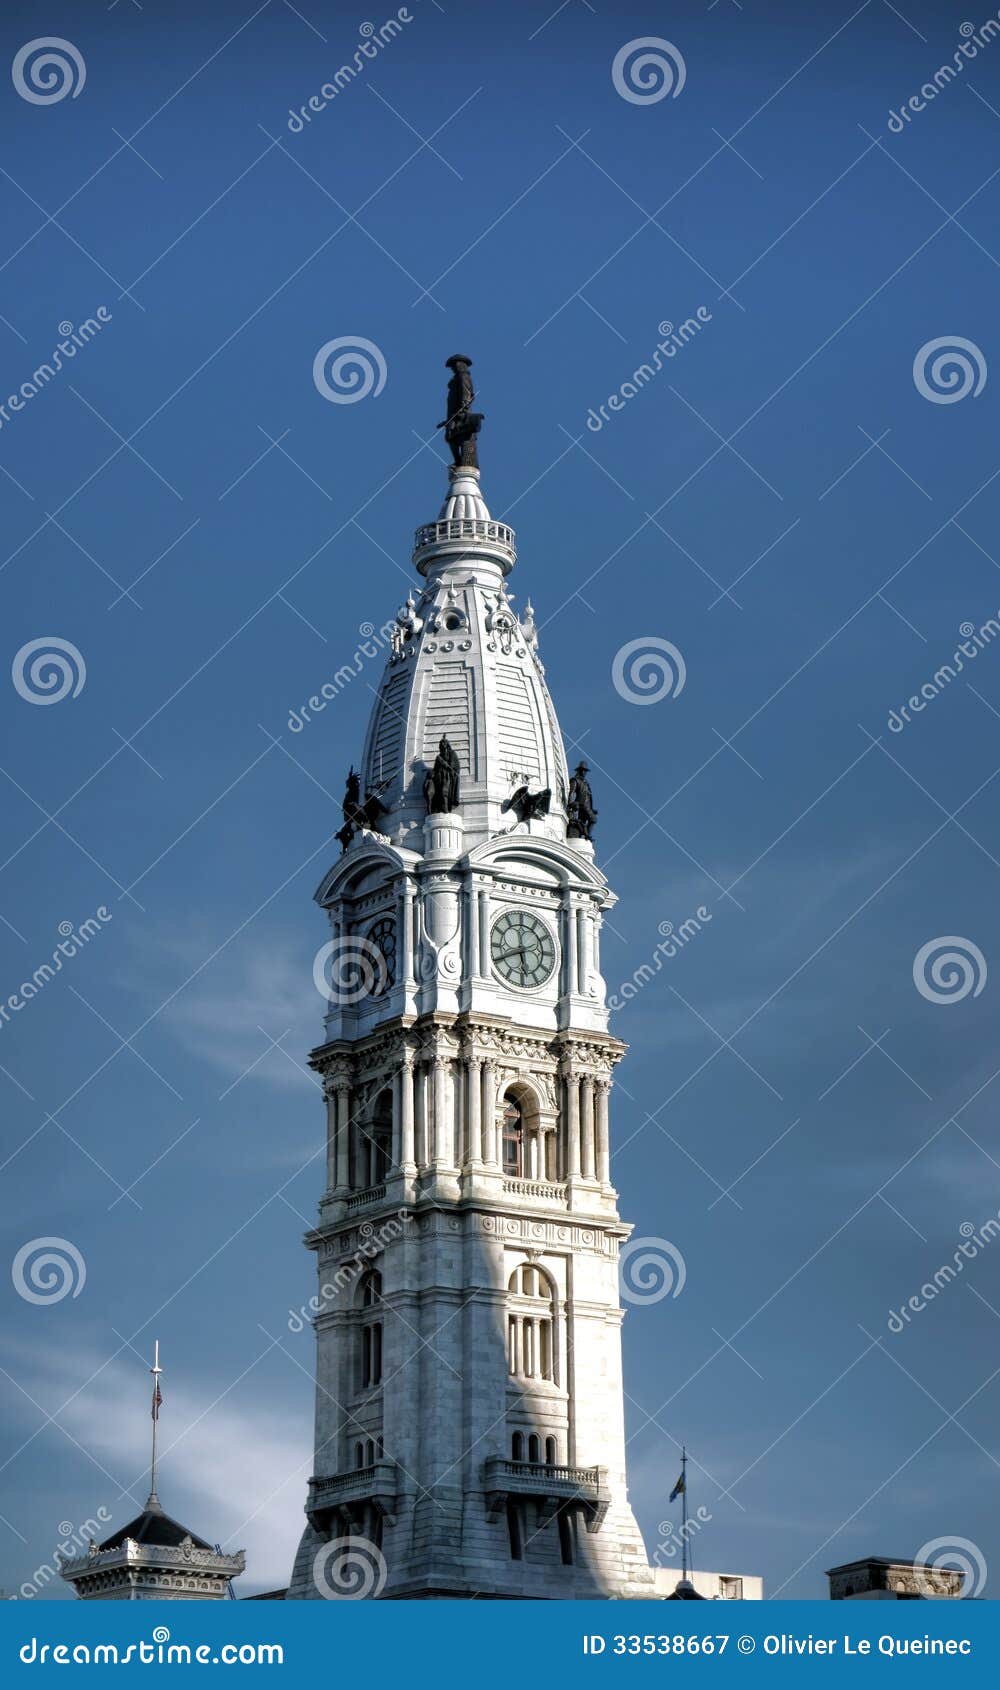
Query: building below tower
(153,1559)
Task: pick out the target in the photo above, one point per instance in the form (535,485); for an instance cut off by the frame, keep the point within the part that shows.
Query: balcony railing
(551,1192)
(339,1494)
(466,528)
(361,1199)
(552,1484)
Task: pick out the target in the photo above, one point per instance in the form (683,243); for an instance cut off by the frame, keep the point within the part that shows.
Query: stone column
(407,945)
(471,907)
(442,1092)
(603,1088)
(422,1148)
(406,1147)
(587,1134)
(330,1097)
(569,948)
(474,1111)
(483,901)
(343,1112)
(572,1124)
(490,1146)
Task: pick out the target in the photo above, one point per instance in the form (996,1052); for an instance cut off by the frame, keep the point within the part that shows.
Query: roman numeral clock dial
(522,948)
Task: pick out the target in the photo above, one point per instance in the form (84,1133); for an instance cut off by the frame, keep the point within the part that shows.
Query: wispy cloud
(259,989)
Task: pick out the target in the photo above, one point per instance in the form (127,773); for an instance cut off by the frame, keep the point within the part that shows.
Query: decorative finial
(462,423)
(153,1501)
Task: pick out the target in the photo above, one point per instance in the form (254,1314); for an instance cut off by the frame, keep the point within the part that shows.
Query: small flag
(678,1489)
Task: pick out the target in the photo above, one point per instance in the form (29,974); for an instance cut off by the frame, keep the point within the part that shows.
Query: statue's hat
(456,358)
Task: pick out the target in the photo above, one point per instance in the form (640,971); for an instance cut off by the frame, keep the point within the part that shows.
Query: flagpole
(684,1513)
(155,1370)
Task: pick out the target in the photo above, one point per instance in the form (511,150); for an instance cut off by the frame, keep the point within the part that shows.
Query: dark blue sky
(182,506)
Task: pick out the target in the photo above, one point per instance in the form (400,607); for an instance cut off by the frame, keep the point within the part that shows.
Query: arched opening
(551,1454)
(531,1345)
(513,1138)
(529,1143)
(517,1446)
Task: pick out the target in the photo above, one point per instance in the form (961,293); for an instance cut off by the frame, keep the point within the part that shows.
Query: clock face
(382,935)
(522,948)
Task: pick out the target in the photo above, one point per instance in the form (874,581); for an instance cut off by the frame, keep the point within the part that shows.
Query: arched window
(359,1455)
(517,1446)
(513,1138)
(370,1453)
(550,1451)
(531,1346)
(533,1448)
(370,1346)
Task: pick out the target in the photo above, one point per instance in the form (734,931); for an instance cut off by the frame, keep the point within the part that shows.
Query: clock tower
(469,1413)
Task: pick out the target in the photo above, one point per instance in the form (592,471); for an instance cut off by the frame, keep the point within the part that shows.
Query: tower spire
(153,1501)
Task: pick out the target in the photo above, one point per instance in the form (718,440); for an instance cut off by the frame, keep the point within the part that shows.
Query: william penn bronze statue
(462,423)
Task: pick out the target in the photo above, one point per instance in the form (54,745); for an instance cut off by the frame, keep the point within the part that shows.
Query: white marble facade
(469,1411)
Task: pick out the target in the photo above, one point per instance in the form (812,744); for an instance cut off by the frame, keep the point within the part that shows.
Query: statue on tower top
(462,424)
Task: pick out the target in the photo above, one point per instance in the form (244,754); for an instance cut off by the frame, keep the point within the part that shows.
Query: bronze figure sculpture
(580,812)
(462,423)
(442,781)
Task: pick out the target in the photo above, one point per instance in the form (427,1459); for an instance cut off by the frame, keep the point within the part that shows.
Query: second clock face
(382,935)
(522,948)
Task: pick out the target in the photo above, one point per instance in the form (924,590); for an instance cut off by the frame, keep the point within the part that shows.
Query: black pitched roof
(154,1527)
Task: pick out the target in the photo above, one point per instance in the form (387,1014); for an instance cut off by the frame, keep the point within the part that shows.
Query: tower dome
(464,666)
